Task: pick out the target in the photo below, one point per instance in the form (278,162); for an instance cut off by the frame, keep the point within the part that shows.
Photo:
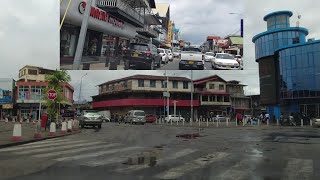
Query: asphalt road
(237,153)
(174,65)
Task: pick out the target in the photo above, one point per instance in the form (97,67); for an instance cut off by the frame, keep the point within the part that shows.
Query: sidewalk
(94,65)
(27,133)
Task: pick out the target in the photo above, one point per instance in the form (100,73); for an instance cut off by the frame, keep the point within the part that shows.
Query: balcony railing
(123,6)
(148,31)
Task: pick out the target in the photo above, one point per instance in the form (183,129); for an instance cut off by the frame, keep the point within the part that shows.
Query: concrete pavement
(220,153)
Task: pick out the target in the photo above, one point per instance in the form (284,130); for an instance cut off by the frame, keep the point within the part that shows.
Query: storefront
(6,97)
(100,25)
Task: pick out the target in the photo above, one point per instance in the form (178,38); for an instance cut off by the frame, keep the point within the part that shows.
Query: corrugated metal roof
(236,40)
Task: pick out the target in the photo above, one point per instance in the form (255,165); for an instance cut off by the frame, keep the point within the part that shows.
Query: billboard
(169,33)
(268,80)
(6,90)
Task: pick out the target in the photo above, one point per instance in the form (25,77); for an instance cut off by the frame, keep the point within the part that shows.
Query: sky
(29,34)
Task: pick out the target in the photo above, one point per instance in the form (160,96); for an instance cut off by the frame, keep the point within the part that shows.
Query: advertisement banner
(6,91)
(169,33)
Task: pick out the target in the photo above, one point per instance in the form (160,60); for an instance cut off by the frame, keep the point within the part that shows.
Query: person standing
(107,54)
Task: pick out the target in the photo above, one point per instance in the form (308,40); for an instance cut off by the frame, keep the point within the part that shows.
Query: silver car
(224,61)
(90,118)
(136,117)
(316,122)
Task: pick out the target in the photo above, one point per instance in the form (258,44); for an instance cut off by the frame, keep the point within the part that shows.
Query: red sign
(52,94)
(101,15)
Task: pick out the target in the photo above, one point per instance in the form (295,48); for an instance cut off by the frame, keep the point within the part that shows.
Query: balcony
(123,10)
(215,103)
(148,32)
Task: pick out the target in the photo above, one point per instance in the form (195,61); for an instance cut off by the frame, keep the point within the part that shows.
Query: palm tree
(55,81)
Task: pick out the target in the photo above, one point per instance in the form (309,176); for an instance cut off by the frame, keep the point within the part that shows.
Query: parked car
(90,118)
(170,55)
(151,118)
(208,56)
(191,58)
(316,122)
(142,56)
(164,55)
(173,118)
(224,61)
(135,117)
(220,118)
(239,60)
(176,52)
(106,116)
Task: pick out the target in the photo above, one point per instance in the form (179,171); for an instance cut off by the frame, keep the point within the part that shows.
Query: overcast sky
(29,34)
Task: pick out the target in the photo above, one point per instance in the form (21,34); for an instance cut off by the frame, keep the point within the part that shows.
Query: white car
(224,61)
(176,53)
(174,118)
(316,122)
(191,58)
(208,56)
(170,55)
(220,118)
(239,59)
(164,55)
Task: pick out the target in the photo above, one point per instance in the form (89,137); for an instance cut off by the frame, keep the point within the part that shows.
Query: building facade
(7,97)
(210,95)
(30,90)
(289,67)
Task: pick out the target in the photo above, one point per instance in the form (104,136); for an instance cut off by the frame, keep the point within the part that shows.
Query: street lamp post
(191,113)
(79,99)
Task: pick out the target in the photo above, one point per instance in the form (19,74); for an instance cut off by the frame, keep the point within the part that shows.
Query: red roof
(210,78)
(148,77)
(213,38)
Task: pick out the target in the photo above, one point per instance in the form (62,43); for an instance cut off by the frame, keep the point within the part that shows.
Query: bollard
(243,122)
(236,122)
(207,122)
(28,121)
(64,127)
(301,122)
(6,120)
(13,119)
(277,122)
(217,122)
(267,122)
(183,122)
(227,122)
(52,129)
(199,121)
(69,126)
(310,122)
(178,122)
(16,132)
(21,120)
(171,121)
(191,121)
(37,133)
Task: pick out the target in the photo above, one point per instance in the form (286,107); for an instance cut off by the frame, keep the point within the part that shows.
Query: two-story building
(145,92)
(30,90)
(239,101)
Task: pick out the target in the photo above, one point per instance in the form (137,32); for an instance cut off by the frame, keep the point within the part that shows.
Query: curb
(34,140)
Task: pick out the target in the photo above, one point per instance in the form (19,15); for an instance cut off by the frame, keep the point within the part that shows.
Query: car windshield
(224,56)
(209,54)
(139,113)
(192,49)
(139,47)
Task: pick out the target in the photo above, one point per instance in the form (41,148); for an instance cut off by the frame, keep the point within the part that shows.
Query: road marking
(74,150)
(46,142)
(99,153)
(57,148)
(176,155)
(236,172)
(176,172)
(298,169)
(39,146)
(96,163)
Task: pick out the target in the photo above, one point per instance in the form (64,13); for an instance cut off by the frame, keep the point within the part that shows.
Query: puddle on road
(189,136)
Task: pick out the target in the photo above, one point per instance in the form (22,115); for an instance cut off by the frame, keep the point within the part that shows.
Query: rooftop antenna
(299,17)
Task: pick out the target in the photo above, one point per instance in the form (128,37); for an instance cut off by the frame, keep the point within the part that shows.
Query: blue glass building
(289,67)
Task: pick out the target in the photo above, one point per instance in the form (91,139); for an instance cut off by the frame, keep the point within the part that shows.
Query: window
(205,98)
(140,83)
(125,84)
(212,98)
(153,83)
(185,85)
(175,84)
(32,72)
(221,87)
(164,84)
(23,92)
(211,86)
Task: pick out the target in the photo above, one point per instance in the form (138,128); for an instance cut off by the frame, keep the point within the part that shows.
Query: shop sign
(6,89)
(101,15)
(7,106)
(169,33)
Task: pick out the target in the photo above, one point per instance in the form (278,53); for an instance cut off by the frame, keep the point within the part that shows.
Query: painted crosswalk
(175,163)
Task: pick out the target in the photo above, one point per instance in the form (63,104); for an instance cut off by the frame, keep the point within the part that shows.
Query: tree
(55,81)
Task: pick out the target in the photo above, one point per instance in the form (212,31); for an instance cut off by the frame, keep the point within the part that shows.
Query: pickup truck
(191,58)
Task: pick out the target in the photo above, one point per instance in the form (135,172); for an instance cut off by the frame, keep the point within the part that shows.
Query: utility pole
(168,95)
(191,113)
(40,104)
(82,35)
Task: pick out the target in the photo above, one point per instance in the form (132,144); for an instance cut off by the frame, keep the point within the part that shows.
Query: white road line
(179,171)
(45,142)
(237,172)
(40,146)
(57,148)
(298,169)
(99,153)
(75,150)
(160,161)
(107,161)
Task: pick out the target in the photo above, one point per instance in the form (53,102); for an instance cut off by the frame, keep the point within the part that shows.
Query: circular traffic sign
(52,94)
